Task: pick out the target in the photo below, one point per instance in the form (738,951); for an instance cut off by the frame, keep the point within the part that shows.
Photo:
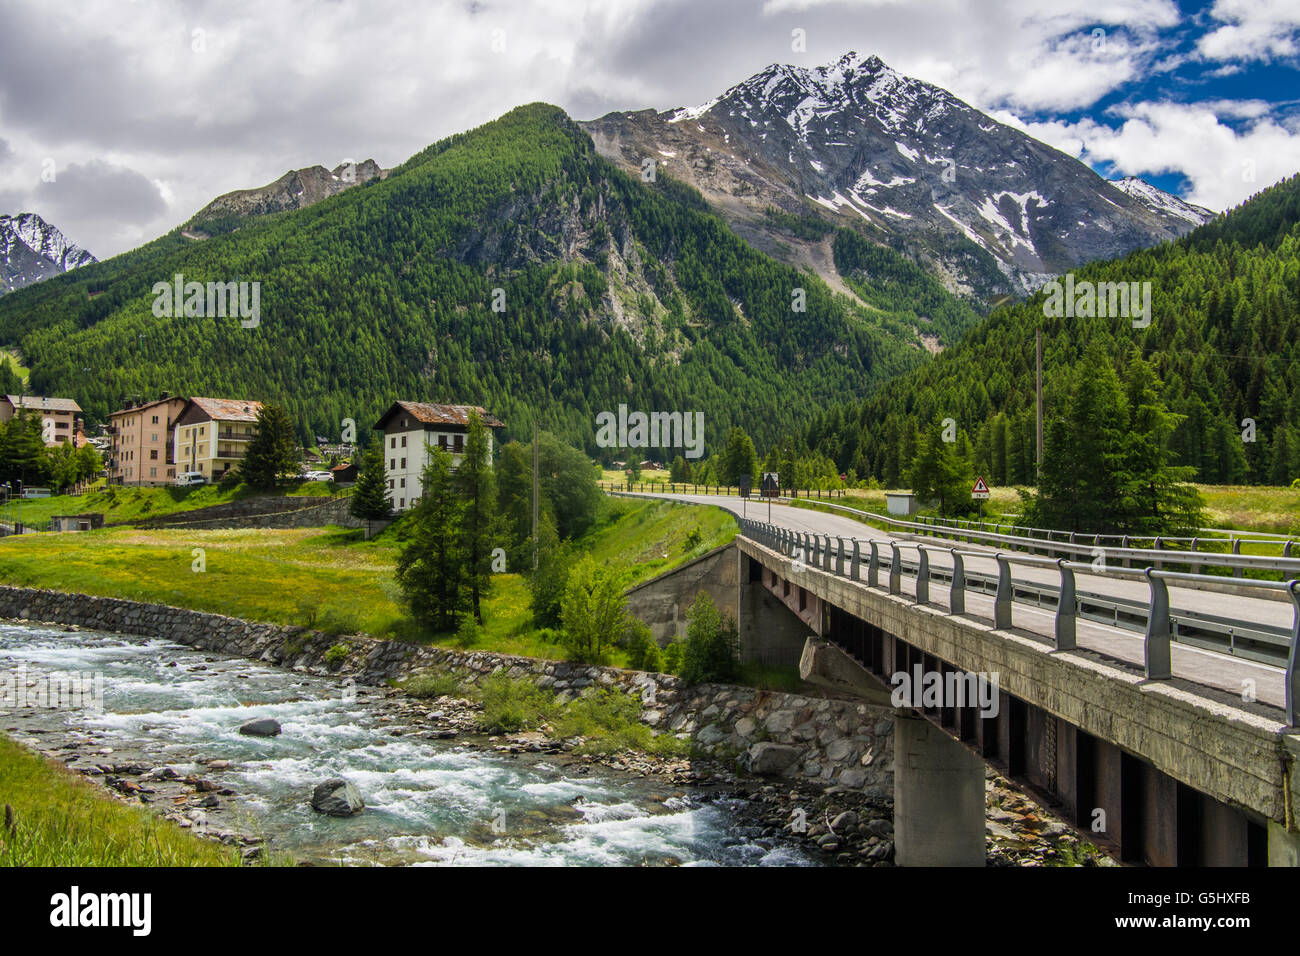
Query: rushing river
(428,801)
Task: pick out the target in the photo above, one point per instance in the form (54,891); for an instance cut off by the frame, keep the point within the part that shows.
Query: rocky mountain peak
(31,250)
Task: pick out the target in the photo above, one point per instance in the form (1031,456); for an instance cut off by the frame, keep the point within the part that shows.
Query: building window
(403,504)
(392,442)
(403,463)
(153,454)
(459,444)
(403,441)
(153,472)
(392,464)
(403,482)
(155,422)
(390,484)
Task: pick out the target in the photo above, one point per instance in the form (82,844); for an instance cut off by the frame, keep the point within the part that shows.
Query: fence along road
(1247,638)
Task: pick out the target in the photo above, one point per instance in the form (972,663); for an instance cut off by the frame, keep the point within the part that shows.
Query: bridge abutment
(773,626)
(938,797)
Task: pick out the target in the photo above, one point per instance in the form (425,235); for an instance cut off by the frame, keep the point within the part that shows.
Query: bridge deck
(1205,667)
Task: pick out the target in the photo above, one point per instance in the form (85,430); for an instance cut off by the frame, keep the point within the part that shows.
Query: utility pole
(535,480)
(1038,362)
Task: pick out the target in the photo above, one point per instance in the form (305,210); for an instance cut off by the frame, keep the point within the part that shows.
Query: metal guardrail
(1125,555)
(1160,624)
(729,491)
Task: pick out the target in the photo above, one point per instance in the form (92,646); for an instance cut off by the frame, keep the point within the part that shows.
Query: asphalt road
(1217,669)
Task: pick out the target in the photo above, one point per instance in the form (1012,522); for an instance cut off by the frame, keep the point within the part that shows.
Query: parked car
(318,476)
(190,478)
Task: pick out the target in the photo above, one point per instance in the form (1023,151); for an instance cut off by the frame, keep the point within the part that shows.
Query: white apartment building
(408,427)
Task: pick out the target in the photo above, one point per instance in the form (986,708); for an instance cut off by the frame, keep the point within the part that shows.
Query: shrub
(693,539)
(432,685)
(469,633)
(230,480)
(594,613)
(336,655)
(670,658)
(547,584)
(610,720)
(643,653)
(511,705)
(550,635)
(712,644)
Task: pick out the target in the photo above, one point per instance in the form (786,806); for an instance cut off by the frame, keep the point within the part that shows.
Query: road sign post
(980,492)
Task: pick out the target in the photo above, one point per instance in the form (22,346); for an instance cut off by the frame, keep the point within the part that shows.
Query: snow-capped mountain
(988,208)
(31,250)
(1157,198)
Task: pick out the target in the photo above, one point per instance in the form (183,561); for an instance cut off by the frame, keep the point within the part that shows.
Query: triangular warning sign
(981,487)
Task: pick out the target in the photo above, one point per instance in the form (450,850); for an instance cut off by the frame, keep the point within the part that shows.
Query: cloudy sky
(119,119)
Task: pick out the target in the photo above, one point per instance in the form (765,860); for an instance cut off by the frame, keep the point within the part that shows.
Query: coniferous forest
(1223,345)
(509,267)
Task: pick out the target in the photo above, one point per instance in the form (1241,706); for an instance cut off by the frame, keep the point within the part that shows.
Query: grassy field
(325,578)
(10,358)
(658,475)
(120,503)
(330,578)
(644,538)
(1233,507)
(60,819)
(1252,508)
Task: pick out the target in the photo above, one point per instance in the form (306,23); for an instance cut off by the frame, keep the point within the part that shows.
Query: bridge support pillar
(1283,845)
(938,797)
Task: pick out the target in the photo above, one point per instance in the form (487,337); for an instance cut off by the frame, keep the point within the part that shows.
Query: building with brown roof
(141,450)
(409,428)
(212,435)
(58,415)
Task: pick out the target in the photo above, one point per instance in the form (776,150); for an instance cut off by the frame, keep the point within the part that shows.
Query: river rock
(767,758)
(262,727)
(337,798)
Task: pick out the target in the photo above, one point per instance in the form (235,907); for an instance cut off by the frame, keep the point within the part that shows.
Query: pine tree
(514,477)
(23,455)
(1106,458)
(738,458)
(940,473)
(273,451)
(370,500)
(430,565)
(475,483)
(680,472)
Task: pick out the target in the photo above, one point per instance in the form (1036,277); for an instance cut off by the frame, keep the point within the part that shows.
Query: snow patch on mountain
(1158,199)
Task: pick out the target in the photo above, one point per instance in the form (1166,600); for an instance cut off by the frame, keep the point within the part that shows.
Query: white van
(188,478)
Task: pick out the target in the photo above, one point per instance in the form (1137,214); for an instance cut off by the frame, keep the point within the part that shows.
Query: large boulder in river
(262,727)
(338,798)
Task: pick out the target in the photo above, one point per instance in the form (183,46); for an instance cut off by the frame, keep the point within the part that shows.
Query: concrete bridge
(1156,709)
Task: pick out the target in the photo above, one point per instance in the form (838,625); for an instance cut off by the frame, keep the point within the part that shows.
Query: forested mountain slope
(510,266)
(1224,336)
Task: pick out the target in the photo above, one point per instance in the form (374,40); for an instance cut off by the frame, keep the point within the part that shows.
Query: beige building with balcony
(212,435)
(141,450)
(58,415)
